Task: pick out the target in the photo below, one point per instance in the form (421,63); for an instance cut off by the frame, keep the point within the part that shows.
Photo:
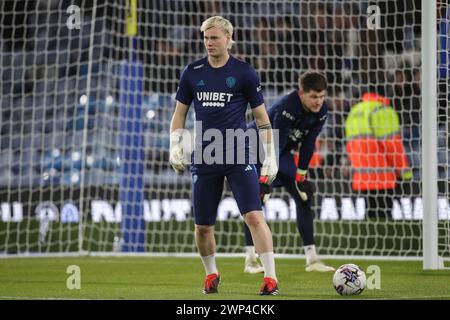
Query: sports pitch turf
(181,279)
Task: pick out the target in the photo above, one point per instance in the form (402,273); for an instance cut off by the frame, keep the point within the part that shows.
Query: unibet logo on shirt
(214,99)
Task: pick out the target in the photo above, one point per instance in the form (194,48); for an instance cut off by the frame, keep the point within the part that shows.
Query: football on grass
(349,279)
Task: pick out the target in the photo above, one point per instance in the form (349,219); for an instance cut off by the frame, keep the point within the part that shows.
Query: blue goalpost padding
(131,188)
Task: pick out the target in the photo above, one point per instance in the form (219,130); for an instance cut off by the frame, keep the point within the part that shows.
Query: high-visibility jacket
(374,146)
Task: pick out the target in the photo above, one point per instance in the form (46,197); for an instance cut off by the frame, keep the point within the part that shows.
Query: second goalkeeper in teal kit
(221,87)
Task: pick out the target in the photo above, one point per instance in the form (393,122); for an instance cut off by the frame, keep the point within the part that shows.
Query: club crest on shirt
(231,82)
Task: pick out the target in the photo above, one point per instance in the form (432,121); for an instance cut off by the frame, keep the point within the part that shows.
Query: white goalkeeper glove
(270,167)
(176,158)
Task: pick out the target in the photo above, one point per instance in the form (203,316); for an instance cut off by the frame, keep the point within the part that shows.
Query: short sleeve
(184,92)
(252,89)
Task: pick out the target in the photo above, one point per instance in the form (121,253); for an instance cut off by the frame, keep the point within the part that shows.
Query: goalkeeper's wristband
(301,175)
(269,150)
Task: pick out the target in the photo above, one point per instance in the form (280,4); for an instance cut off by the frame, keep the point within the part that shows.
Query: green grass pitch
(181,279)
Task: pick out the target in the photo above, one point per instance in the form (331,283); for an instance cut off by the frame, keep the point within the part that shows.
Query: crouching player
(299,116)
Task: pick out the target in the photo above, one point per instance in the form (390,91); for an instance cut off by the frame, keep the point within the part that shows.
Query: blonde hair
(221,23)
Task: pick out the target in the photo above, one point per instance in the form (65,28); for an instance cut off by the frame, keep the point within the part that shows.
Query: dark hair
(312,81)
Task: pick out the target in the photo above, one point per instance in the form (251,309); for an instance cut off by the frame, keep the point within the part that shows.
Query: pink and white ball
(349,279)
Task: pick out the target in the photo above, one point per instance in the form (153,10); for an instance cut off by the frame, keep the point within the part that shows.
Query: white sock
(209,262)
(268,262)
(250,253)
(310,253)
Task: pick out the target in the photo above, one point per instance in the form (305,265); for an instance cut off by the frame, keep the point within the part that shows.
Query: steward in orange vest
(374,145)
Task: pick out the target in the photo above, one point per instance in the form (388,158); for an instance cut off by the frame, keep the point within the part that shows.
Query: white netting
(443,58)
(61,122)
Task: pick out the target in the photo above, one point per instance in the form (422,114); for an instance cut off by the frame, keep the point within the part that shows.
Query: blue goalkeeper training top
(220,97)
(298,128)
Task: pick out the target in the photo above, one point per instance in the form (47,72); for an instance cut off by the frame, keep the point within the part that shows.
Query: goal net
(87,95)
(443,120)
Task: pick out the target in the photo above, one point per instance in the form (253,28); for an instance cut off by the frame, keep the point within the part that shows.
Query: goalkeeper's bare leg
(206,244)
(262,237)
